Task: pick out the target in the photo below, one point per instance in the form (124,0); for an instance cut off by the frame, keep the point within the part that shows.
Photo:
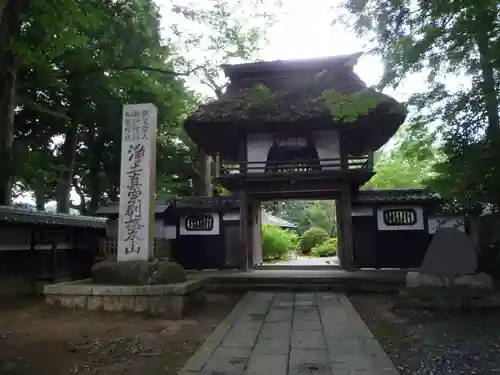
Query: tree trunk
(203,186)
(64,185)
(40,199)
(484,20)
(10,26)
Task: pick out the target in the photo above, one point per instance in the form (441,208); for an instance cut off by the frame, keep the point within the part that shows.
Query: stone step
(309,285)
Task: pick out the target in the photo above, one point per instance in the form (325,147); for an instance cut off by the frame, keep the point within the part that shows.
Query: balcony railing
(293,166)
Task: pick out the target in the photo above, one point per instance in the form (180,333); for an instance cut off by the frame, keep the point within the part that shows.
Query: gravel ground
(36,339)
(434,343)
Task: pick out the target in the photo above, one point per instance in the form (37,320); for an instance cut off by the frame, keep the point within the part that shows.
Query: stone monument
(136,222)
(137,183)
(447,277)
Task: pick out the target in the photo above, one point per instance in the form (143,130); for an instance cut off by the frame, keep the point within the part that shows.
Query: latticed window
(401,216)
(199,222)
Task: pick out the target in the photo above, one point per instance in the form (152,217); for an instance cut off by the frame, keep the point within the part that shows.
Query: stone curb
(83,288)
(195,364)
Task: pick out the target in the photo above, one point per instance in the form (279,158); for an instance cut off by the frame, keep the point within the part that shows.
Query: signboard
(199,222)
(137,182)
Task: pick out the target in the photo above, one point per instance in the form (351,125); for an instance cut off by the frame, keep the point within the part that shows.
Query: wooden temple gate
(274,137)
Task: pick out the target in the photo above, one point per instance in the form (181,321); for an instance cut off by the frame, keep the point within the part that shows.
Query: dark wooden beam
(244,230)
(347,235)
(322,183)
(340,234)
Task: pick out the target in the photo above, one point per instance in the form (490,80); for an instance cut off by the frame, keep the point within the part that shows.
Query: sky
(305,30)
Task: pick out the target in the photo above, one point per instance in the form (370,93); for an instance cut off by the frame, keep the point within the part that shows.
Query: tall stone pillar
(137,183)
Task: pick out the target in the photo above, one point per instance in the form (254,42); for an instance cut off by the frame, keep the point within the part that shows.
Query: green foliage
(277,242)
(407,162)
(306,214)
(262,95)
(311,238)
(446,41)
(349,107)
(80,62)
(327,248)
(73,82)
(226,31)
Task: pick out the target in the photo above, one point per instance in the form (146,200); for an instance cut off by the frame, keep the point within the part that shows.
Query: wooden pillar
(340,233)
(244,231)
(33,263)
(53,251)
(347,232)
(344,158)
(250,229)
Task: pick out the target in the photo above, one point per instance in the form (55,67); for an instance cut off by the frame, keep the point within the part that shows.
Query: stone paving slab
(288,333)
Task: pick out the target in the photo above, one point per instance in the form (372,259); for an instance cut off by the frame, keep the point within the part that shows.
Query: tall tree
(77,95)
(447,40)
(220,32)
(21,45)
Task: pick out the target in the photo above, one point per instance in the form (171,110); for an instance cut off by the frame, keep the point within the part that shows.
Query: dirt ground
(434,343)
(36,339)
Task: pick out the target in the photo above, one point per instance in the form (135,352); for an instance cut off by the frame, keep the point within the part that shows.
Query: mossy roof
(297,93)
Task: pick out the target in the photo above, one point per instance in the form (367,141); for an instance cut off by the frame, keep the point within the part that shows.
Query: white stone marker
(137,183)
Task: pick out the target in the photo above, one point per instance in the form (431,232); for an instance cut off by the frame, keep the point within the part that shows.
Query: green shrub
(326,249)
(311,238)
(277,242)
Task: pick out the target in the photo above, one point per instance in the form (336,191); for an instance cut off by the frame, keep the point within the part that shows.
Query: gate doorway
(313,237)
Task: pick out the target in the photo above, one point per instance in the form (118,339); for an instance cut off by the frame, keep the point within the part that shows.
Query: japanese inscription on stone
(136,214)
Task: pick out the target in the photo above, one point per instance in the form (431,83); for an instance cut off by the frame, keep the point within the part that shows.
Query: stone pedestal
(170,300)
(137,272)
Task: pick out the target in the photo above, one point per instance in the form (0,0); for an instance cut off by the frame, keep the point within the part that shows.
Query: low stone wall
(168,300)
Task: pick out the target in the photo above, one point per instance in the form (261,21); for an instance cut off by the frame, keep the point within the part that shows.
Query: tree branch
(100,69)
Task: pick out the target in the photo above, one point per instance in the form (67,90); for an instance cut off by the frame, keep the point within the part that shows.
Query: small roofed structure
(40,247)
(269,219)
(291,96)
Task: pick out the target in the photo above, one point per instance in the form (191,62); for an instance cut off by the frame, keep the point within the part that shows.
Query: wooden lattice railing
(287,166)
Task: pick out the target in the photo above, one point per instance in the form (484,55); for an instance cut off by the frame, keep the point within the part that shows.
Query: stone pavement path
(290,333)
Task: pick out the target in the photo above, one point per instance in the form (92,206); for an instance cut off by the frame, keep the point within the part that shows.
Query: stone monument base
(168,300)
(448,293)
(138,272)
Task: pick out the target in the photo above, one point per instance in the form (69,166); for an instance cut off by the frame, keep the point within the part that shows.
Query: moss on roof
(323,94)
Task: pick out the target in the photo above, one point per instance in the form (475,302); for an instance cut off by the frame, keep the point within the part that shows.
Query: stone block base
(476,281)
(461,292)
(169,301)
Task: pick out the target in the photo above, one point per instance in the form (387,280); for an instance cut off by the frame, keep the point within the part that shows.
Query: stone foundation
(448,293)
(168,300)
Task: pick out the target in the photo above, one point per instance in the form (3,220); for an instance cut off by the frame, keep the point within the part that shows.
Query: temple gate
(300,129)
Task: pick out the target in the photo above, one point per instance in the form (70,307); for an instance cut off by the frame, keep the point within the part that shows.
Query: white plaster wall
(328,147)
(215,231)
(170,232)
(258,146)
(419,224)
(231,216)
(362,211)
(159,229)
(434,223)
